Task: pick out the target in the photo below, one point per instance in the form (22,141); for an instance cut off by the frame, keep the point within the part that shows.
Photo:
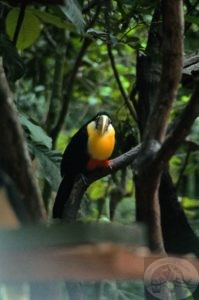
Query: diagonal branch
(82,183)
(172,61)
(119,83)
(113,65)
(181,129)
(147,182)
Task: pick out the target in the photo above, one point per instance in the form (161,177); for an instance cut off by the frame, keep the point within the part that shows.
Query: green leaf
(12,62)
(53,20)
(189,203)
(30,29)
(97,190)
(49,161)
(35,132)
(73,12)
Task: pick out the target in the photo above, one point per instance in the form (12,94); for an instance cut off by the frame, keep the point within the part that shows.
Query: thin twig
(114,68)
(69,87)
(181,130)
(19,21)
(71,80)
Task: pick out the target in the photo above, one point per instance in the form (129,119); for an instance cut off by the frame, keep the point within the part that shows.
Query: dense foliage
(61,73)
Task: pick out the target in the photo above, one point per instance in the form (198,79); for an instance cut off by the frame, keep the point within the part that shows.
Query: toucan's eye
(109,121)
(97,120)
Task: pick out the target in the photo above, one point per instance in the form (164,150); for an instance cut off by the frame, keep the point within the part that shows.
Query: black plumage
(74,162)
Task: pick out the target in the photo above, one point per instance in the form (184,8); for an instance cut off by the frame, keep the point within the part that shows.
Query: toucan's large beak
(102,125)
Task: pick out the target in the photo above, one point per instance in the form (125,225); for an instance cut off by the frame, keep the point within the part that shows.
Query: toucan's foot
(94,164)
(110,165)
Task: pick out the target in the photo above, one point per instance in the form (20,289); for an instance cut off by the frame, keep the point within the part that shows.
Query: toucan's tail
(62,196)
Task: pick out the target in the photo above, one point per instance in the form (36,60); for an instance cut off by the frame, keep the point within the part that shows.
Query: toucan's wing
(74,161)
(75,157)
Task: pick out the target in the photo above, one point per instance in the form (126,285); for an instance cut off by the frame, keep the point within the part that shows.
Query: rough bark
(172,62)
(14,158)
(178,235)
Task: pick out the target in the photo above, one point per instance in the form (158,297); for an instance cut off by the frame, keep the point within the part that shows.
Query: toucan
(89,148)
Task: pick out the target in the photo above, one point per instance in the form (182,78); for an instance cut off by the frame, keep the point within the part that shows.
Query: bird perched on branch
(89,148)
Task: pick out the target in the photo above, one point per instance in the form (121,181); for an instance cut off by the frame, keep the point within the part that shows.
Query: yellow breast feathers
(100,146)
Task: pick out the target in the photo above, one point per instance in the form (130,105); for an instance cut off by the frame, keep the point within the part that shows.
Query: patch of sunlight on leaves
(191,207)
(189,203)
(129,186)
(185,98)
(175,165)
(62,141)
(143,45)
(104,219)
(125,82)
(105,91)
(97,190)
(121,68)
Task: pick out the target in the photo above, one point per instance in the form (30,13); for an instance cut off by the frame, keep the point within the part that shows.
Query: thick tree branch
(147,179)
(148,70)
(14,159)
(172,60)
(82,183)
(180,131)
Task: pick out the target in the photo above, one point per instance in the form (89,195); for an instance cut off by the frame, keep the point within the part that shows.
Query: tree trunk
(14,158)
